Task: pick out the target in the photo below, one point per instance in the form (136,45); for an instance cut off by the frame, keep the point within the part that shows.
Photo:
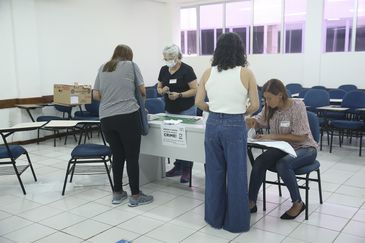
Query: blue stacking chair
(348,87)
(294,88)
(155,105)
(88,156)
(337,93)
(91,112)
(315,98)
(8,156)
(66,115)
(353,122)
(302,173)
(302,93)
(151,92)
(319,87)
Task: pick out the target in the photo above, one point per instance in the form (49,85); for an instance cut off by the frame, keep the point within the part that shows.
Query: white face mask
(170,63)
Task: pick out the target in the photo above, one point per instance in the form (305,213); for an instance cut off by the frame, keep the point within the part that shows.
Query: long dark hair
(229,52)
(121,53)
(273,86)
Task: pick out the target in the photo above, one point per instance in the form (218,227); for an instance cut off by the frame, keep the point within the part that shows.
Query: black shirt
(177,82)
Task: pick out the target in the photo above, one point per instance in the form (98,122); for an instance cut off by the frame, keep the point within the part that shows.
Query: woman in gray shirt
(114,87)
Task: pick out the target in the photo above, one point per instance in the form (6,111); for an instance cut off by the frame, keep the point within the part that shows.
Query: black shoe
(287,216)
(254,209)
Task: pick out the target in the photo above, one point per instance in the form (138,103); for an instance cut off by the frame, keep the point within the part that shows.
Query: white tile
(19,206)
(90,209)
(351,191)
(292,240)
(68,203)
(218,232)
(277,225)
(145,239)
(345,200)
(30,233)
(114,216)
(4,215)
(327,221)
(190,220)
(204,238)
(40,213)
(313,234)
(4,240)
(355,228)
(165,213)
(86,229)
(170,233)
(59,237)
(12,223)
(360,215)
(336,176)
(141,224)
(114,235)
(62,220)
(257,235)
(346,238)
(183,203)
(93,194)
(337,210)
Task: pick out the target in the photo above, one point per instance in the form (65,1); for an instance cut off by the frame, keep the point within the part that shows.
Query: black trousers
(122,132)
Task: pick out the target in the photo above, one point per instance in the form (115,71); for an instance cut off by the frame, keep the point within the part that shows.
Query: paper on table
(172,122)
(282,145)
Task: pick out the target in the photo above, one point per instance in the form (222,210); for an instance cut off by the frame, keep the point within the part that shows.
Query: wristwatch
(180,95)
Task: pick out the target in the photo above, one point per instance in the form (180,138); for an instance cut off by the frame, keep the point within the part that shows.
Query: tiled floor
(85,213)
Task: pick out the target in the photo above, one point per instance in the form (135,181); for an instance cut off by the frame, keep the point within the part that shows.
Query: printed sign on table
(173,135)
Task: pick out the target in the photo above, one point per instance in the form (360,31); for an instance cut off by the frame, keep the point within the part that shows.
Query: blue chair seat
(88,118)
(345,124)
(49,118)
(307,168)
(90,150)
(16,151)
(82,113)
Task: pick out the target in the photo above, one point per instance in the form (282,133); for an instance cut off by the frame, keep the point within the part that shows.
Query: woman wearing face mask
(177,83)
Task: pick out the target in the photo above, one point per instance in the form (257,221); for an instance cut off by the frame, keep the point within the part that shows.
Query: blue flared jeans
(226,192)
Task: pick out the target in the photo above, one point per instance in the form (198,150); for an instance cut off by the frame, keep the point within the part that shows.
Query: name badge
(285,124)
(173,81)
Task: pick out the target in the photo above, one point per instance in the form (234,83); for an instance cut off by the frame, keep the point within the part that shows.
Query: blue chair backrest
(316,98)
(354,99)
(314,125)
(151,92)
(93,108)
(319,87)
(155,105)
(288,92)
(294,88)
(64,109)
(337,93)
(348,87)
(302,93)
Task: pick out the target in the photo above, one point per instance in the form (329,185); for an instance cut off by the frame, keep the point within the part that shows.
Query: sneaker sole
(139,204)
(119,201)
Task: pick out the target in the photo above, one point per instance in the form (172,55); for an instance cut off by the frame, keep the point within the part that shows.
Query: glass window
(238,20)
(338,20)
(211,20)
(295,16)
(360,29)
(188,27)
(267,25)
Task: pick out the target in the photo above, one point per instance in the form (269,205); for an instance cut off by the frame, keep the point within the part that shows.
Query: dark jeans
(122,132)
(226,196)
(284,165)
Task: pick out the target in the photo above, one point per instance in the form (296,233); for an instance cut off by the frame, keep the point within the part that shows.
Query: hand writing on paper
(265,137)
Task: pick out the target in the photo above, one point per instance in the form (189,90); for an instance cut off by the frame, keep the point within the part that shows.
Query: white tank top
(226,92)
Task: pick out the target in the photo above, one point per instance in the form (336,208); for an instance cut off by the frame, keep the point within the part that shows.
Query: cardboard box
(76,94)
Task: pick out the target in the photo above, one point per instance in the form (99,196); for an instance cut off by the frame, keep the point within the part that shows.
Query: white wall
(45,42)
(309,68)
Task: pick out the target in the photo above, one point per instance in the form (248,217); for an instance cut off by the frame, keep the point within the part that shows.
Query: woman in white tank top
(232,92)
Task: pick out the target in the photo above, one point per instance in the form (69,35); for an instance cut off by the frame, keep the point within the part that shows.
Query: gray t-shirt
(117,89)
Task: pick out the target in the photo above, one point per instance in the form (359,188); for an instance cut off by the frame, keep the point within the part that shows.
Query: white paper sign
(74,99)
(173,135)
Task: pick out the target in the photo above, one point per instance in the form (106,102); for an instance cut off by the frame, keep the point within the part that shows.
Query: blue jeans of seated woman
(284,165)
(226,192)
(184,164)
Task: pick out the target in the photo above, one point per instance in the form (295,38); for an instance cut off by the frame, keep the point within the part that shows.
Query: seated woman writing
(287,120)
